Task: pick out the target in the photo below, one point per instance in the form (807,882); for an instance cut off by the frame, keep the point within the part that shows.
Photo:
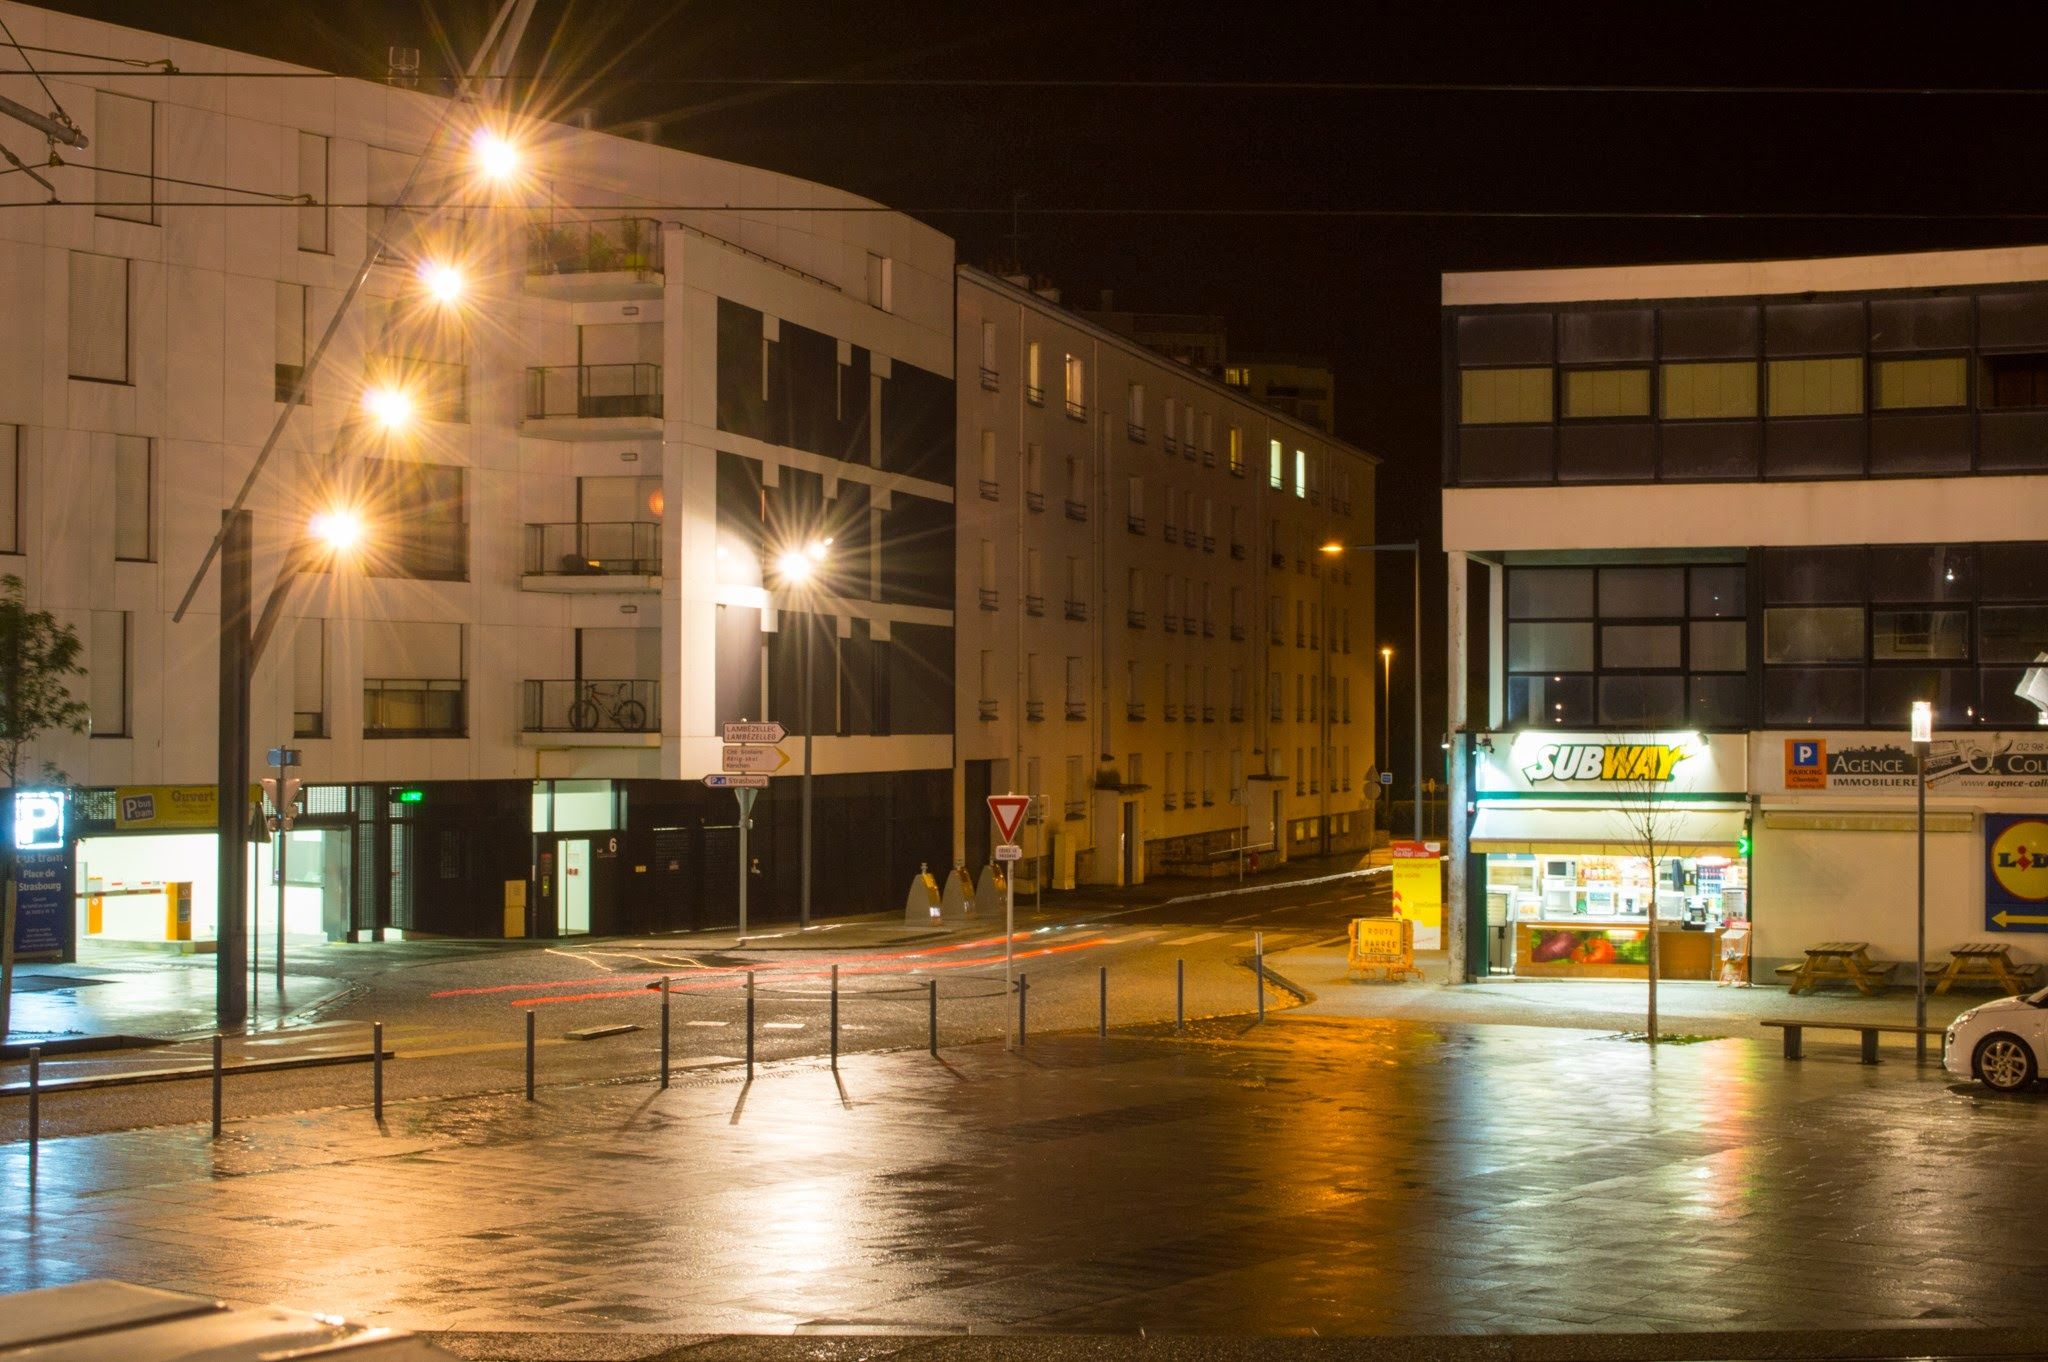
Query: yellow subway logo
(1653,762)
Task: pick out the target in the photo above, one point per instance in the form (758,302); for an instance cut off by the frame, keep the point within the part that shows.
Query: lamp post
(798,567)
(1386,718)
(1414,549)
(1923,738)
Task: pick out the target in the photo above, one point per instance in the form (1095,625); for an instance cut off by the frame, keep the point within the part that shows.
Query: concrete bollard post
(216,1085)
(835,1016)
(1023,992)
(377,1071)
(529,1054)
(1259,970)
(931,998)
(35,1109)
(664,1030)
(750,1026)
(1102,1003)
(1180,996)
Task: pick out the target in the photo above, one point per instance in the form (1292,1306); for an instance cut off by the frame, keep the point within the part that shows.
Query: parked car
(2000,1044)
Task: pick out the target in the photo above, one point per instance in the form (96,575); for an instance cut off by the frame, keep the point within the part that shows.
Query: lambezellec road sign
(1009,851)
(729,781)
(767,734)
(766,760)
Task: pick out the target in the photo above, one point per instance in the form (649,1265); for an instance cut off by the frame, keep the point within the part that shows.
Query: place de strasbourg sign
(1877,763)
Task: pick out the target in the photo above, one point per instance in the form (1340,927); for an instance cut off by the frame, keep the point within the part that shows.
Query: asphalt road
(454,1013)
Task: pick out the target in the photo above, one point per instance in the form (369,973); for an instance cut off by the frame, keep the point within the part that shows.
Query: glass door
(575,904)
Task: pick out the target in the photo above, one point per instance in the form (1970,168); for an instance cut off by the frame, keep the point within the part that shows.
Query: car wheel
(2004,1062)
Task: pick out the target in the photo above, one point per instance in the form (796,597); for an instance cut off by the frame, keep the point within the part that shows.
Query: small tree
(1650,816)
(38,658)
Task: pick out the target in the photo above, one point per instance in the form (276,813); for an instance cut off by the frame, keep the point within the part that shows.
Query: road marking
(782,1026)
(707,1023)
(1199,936)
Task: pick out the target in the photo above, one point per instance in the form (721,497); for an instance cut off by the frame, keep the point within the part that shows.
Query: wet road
(1345,1177)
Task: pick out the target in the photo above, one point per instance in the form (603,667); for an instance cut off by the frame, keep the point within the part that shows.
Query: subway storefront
(1582,844)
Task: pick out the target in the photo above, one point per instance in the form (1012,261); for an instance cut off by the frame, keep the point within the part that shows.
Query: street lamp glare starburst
(496,157)
(444,282)
(389,406)
(340,530)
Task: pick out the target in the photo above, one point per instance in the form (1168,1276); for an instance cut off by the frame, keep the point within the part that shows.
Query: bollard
(1180,996)
(216,1085)
(529,1054)
(750,1026)
(1023,991)
(835,1016)
(1259,970)
(931,997)
(35,1109)
(377,1070)
(1102,1003)
(664,1030)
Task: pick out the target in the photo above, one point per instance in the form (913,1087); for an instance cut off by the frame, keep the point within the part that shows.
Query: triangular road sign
(1008,811)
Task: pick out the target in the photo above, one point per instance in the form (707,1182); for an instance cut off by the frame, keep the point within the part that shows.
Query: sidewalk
(1684,1006)
(100,1004)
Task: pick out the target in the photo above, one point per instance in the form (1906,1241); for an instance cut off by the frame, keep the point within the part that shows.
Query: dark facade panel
(1607,452)
(1816,576)
(785,647)
(1919,324)
(917,552)
(736,684)
(1708,332)
(1920,443)
(2012,441)
(1814,328)
(847,520)
(2013,571)
(1607,337)
(804,388)
(2013,321)
(741,407)
(920,678)
(1823,447)
(741,514)
(917,423)
(1709,451)
(1505,338)
(1504,454)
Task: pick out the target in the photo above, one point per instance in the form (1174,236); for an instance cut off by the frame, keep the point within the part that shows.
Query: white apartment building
(1152,640)
(1712,531)
(507,701)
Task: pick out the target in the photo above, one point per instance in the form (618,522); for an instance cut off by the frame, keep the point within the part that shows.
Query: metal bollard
(1259,970)
(1102,1003)
(377,1070)
(750,1026)
(529,1054)
(35,1109)
(1023,992)
(1180,996)
(931,997)
(664,1030)
(835,1016)
(216,1085)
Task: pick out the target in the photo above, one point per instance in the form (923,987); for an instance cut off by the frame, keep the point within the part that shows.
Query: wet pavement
(145,995)
(1354,1176)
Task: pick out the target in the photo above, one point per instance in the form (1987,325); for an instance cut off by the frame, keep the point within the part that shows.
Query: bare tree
(1651,814)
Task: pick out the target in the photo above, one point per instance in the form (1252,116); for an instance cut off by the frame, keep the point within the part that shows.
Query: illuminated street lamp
(1333,549)
(389,405)
(444,282)
(1923,741)
(1387,714)
(798,567)
(497,159)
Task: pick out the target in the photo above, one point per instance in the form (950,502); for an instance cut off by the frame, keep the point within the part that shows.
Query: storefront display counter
(1575,948)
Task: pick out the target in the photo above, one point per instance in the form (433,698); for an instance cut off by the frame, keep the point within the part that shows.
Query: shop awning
(1684,831)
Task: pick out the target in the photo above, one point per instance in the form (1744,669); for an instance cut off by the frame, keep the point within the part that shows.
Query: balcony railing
(1035,500)
(1134,710)
(1034,394)
(1134,523)
(1237,633)
(599,548)
(988,709)
(1136,430)
(1075,809)
(991,490)
(413,708)
(1077,610)
(1208,714)
(990,598)
(1172,712)
(1168,444)
(591,705)
(1189,713)
(1034,710)
(1237,714)
(1034,605)
(1170,532)
(1135,618)
(1208,543)
(1077,709)
(593,391)
(1171,622)
(1171,803)
(606,246)
(1077,510)
(1237,551)
(1077,410)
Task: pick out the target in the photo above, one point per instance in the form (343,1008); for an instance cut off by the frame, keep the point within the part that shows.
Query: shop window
(1717,593)
(1491,397)
(1919,384)
(1646,647)
(1717,646)
(1813,695)
(2014,381)
(1633,592)
(2012,633)
(1550,593)
(1708,392)
(1814,634)
(1553,701)
(1919,635)
(1550,647)
(1594,394)
(1816,387)
(1642,701)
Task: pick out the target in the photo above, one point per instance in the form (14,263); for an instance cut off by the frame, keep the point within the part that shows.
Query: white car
(2000,1044)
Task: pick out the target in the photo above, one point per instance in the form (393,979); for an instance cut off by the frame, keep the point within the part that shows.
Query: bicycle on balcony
(608,705)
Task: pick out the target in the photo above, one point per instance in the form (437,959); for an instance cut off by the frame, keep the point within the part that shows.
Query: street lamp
(1386,717)
(497,158)
(1923,739)
(1386,653)
(798,567)
(444,282)
(390,406)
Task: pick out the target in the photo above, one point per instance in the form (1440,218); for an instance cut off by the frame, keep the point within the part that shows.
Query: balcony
(580,557)
(1034,605)
(1135,430)
(987,709)
(606,260)
(1077,410)
(1134,523)
(1077,709)
(1035,500)
(1034,710)
(594,401)
(1135,618)
(1077,510)
(1034,394)
(1077,610)
(1134,710)
(990,379)
(613,712)
(990,598)
(414,708)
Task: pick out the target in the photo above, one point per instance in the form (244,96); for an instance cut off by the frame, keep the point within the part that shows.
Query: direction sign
(1009,851)
(768,734)
(729,781)
(1386,777)
(766,760)
(1008,811)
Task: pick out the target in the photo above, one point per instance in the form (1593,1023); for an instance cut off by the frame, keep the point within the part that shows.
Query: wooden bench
(1795,1029)
(1983,961)
(1847,960)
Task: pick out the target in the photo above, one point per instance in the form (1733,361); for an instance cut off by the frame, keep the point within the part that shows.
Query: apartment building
(577,473)
(1713,530)
(1153,641)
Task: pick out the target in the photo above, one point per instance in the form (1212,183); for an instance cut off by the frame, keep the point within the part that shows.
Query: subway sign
(1539,762)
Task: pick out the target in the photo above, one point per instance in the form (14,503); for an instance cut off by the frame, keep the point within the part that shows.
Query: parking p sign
(1806,764)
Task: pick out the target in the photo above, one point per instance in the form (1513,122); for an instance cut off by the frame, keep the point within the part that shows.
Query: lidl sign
(2016,872)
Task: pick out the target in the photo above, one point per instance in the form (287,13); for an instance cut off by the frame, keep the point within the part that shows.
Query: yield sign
(1008,811)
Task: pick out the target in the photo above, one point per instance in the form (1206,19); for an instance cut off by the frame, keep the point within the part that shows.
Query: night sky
(1119,181)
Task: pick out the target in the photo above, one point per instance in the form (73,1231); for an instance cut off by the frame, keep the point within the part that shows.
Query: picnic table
(1985,960)
(1848,960)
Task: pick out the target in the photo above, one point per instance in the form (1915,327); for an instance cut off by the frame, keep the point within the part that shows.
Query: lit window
(1704,392)
(1493,397)
(1908,384)
(1816,387)
(1590,394)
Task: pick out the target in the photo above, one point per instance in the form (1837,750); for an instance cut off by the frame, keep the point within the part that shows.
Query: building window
(989,372)
(1300,473)
(10,489)
(124,154)
(107,672)
(991,488)
(1276,466)
(1034,476)
(134,499)
(1237,451)
(313,185)
(988,683)
(1077,386)
(1915,384)
(423,519)
(1495,397)
(1708,392)
(1830,633)
(1034,381)
(1077,788)
(309,679)
(1816,387)
(414,680)
(1077,691)
(2015,381)
(1134,419)
(99,318)
(291,339)
(1598,394)
(881,282)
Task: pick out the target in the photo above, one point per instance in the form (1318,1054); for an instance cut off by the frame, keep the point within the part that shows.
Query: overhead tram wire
(57,108)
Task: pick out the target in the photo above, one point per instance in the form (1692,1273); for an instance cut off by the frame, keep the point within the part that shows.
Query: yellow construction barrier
(1383,948)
